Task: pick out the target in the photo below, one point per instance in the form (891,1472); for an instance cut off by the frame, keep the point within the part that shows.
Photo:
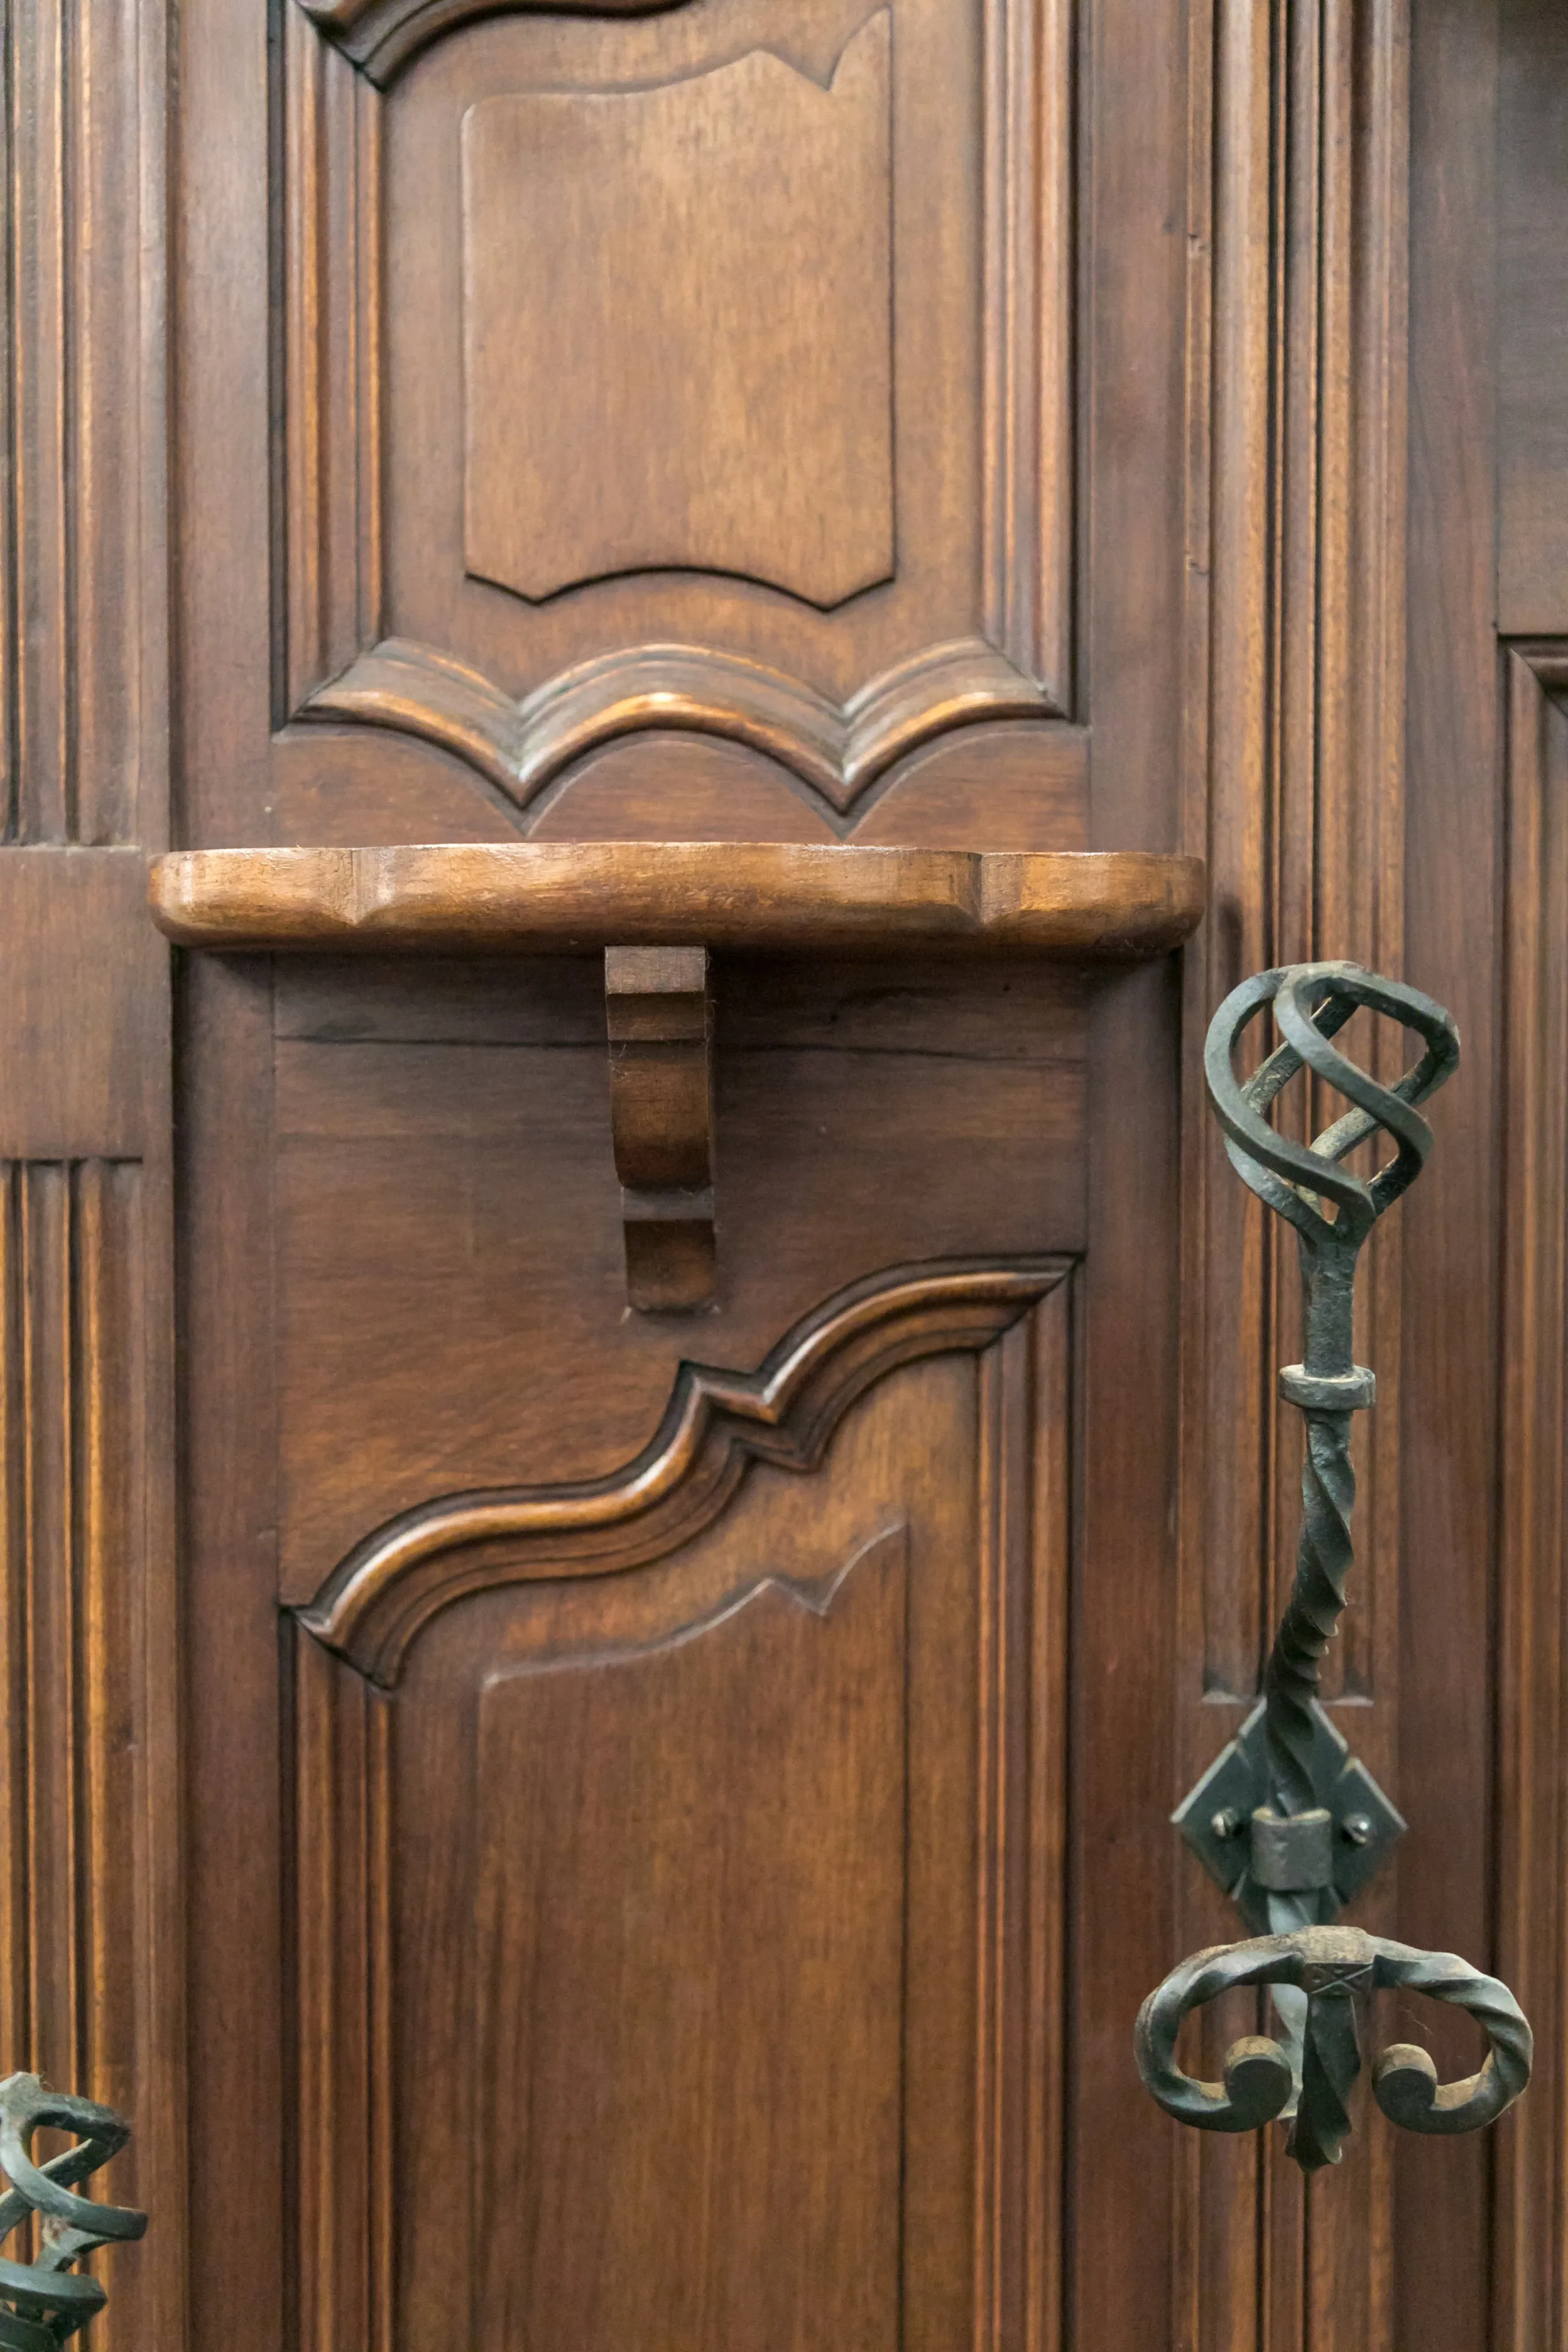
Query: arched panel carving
(717,1426)
(559,361)
(655,368)
(382,35)
(767,1822)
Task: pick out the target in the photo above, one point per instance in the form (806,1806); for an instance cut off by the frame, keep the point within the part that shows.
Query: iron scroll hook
(1286,1820)
(1332,1966)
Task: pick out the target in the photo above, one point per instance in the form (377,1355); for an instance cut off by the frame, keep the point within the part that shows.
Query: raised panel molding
(521,748)
(775,464)
(80,1959)
(82,627)
(716,1426)
(1531,1818)
(894,456)
(92,1919)
(382,35)
(832,1705)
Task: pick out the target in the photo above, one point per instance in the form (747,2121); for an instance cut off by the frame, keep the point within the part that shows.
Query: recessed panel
(688,1950)
(651,380)
(700,367)
(679,1941)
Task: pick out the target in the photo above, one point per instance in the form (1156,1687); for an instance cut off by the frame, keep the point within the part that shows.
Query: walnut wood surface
(658,1013)
(664,1949)
(764,896)
(742,1776)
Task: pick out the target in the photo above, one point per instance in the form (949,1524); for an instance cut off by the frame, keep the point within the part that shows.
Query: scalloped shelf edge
(543,897)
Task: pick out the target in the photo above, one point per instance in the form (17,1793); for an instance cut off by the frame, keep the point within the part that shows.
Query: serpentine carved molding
(520,747)
(716,1425)
(381,35)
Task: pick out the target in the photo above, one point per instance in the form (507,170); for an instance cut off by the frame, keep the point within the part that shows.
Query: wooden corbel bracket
(657,910)
(659,1010)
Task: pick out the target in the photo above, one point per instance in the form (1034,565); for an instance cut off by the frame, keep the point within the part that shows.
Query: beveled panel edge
(716,1425)
(542,896)
(1529,1817)
(1029,163)
(380,36)
(838,750)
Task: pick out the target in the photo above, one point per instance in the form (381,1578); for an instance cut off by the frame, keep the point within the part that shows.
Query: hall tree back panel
(1047,424)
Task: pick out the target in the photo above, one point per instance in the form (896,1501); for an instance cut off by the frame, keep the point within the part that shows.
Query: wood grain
(660,1015)
(1441,2245)
(83,985)
(838,751)
(333,341)
(1295,723)
(74,1434)
(774,1734)
(91,1824)
(714,1427)
(869,1113)
(546,897)
(1142,279)
(83,685)
(1533,1922)
(382,35)
(917,600)
(1532,266)
(782,1717)
(772,459)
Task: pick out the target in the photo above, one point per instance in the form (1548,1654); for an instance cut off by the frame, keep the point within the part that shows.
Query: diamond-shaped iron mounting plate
(1238,1781)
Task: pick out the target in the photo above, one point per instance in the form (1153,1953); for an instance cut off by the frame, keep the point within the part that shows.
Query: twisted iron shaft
(1323,1561)
(1332,1213)
(1330,2060)
(1317,1971)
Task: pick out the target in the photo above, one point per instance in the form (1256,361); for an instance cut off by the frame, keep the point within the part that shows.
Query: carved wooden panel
(807,492)
(1294,774)
(1533,1939)
(1532,290)
(679,1945)
(420,1229)
(764,450)
(77,1958)
(81,622)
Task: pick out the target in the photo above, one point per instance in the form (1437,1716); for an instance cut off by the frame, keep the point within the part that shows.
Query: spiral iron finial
(1286,1819)
(1312,1002)
(44,2302)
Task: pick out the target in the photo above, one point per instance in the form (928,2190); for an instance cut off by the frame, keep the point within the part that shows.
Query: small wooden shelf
(658,909)
(535,897)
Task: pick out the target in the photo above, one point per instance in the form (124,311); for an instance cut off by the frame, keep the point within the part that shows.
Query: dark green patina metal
(46,2300)
(1290,1824)
(1329,1970)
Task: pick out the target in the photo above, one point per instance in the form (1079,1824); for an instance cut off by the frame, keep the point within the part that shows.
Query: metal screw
(1358,1828)
(1227,1823)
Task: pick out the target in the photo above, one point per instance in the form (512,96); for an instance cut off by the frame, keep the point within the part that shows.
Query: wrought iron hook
(1287,1821)
(1331,1968)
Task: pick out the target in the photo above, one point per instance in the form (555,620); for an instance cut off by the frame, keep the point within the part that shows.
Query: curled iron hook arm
(1331,1966)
